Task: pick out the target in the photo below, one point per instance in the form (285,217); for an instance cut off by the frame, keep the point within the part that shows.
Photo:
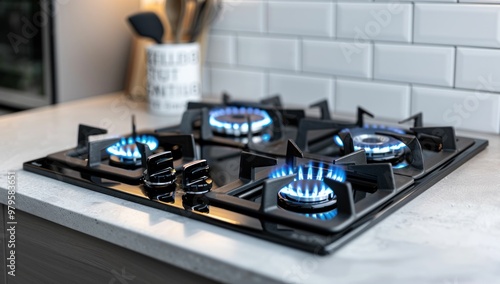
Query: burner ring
(308,193)
(307,196)
(233,121)
(371,139)
(378,147)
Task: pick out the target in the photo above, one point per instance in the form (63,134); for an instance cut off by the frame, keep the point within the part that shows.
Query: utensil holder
(173,77)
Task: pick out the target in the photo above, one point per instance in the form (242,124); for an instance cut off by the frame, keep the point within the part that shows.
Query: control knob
(196,178)
(160,172)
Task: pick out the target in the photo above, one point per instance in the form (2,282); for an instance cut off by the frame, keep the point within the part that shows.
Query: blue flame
(323,216)
(124,148)
(338,141)
(309,192)
(310,172)
(401,165)
(266,137)
(230,127)
(390,147)
(384,128)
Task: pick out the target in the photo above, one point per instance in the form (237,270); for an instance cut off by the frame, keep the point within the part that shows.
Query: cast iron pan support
(84,131)
(186,142)
(323,107)
(345,206)
(361,116)
(145,153)
(446,135)
(292,153)
(382,172)
(416,156)
(249,161)
(308,124)
(188,118)
(95,148)
(345,200)
(348,147)
(354,158)
(418,120)
(274,101)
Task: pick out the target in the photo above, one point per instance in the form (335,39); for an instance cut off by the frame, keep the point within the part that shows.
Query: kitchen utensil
(209,10)
(198,11)
(147,24)
(175,10)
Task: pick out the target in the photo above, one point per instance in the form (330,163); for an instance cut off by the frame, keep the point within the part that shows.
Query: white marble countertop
(449,234)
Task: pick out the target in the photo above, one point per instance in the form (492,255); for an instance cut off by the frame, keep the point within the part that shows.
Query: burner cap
(234,120)
(378,148)
(308,193)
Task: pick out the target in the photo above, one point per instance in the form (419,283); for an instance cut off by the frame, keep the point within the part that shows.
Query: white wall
(92,45)
(393,58)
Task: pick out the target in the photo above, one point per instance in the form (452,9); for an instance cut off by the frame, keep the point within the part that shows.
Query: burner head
(378,148)
(308,193)
(125,152)
(233,121)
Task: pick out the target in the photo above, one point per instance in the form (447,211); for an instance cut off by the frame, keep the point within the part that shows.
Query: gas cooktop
(311,183)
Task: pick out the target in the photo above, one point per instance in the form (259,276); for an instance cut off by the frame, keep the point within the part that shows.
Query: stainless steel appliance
(57,51)
(26,53)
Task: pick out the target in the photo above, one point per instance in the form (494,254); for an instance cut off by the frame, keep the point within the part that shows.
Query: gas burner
(126,153)
(378,148)
(233,121)
(308,193)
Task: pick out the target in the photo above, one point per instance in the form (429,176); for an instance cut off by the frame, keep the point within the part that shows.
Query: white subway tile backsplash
(363,52)
(300,89)
(221,49)
(206,86)
(432,65)
(240,15)
(377,21)
(390,101)
(478,69)
(468,110)
(459,24)
(301,18)
(278,53)
(239,84)
(480,1)
(345,58)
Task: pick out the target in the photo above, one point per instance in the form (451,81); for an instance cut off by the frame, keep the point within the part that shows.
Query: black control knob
(196,178)
(160,172)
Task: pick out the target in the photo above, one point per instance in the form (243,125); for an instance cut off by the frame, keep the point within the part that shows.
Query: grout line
(214,65)
(333,102)
(335,19)
(266,17)
(373,60)
(336,38)
(207,80)
(413,23)
(236,50)
(411,99)
(336,97)
(300,59)
(267,90)
(455,68)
